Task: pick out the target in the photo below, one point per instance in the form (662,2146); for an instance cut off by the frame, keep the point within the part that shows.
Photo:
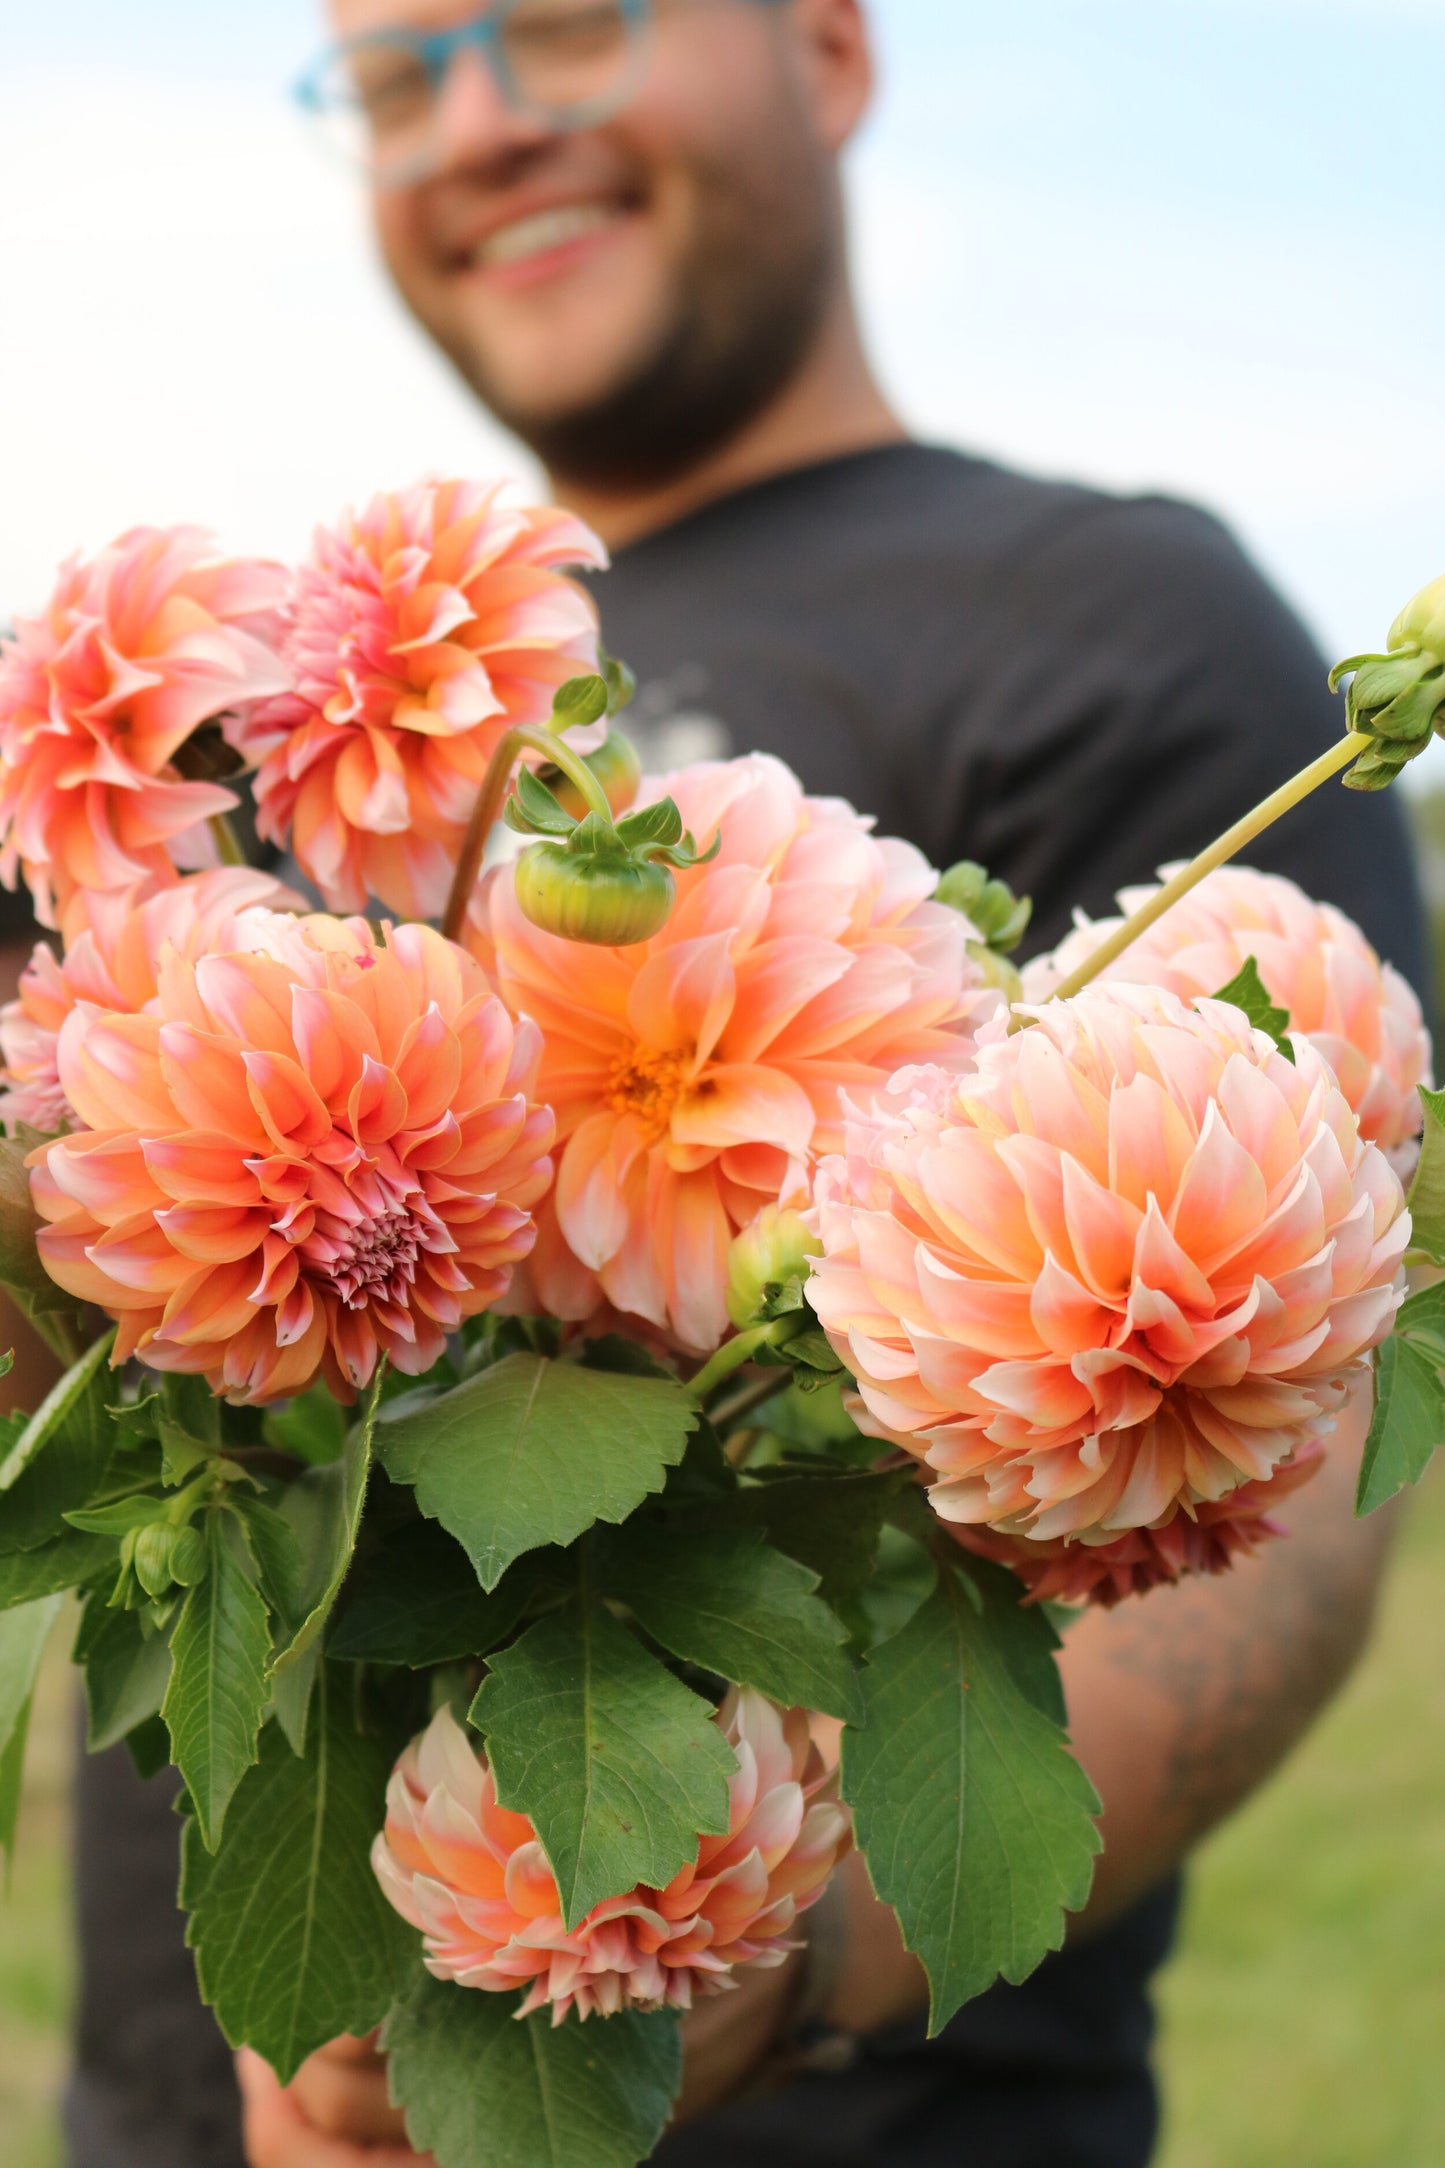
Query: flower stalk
(491,798)
(1225,847)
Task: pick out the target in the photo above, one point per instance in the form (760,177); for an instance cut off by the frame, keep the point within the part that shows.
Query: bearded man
(623,223)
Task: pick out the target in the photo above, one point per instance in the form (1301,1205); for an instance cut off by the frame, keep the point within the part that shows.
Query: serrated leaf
(294,1940)
(483,2090)
(726,1600)
(620,1765)
(1247,991)
(1427,1191)
(126,1673)
(417,1601)
(324,1509)
(975,1819)
(72,1561)
(829,1522)
(292,1692)
(533,1452)
(1408,1423)
(60,1456)
(218,1690)
(278,1556)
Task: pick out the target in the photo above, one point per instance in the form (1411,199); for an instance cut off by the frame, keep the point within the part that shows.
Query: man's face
(624,296)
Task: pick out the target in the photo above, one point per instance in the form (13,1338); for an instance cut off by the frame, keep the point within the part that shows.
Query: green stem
(730,1357)
(491,798)
(1234,839)
(227,844)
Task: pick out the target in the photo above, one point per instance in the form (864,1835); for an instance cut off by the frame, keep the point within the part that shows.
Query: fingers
(279,2131)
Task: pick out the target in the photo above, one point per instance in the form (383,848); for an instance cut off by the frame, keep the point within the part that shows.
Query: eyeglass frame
(483,34)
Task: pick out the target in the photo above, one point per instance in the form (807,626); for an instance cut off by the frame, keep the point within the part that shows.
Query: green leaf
(726,1600)
(324,1509)
(416,1601)
(313,1427)
(830,1522)
(72,1561)
(294,1941)
(126,1671)
(533,1452)
(60,1456)
(975,1819)
(1408,1424)
(1247,991)
(277,1553)
(292,1691)
(1427,1191)
(24,1632)
(537,810)
(580,701)
(619,1765)
(482,2090)
(218,1691)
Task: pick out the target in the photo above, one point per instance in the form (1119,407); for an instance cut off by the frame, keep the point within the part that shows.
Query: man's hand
(335,2114)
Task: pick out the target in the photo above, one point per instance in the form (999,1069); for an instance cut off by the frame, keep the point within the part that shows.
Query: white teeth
(543,230)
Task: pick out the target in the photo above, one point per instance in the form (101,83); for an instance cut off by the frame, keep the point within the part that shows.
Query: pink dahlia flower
(134,651)
(114,940)
(420,633)
(695,1076)
(1315,962)
(310,1151)
(475,1880)
(1127,1265)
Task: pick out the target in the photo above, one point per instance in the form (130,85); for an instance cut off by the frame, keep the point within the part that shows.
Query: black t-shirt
(1072,688)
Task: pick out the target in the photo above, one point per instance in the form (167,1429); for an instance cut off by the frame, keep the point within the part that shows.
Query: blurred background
(1191,246)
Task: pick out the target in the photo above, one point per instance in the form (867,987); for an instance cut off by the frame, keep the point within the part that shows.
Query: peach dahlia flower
(420,632)
(134,651)
(1315,962)
(475,1880)
(113,945)
(695,1076)
(1127,1265)
(310,1151)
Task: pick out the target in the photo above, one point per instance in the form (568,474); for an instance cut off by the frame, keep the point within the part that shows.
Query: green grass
(1304,2019)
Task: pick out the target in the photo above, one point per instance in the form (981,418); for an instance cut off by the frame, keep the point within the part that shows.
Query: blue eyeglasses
(565,64)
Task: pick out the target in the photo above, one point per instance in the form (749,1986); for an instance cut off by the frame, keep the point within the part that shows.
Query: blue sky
(1188,244)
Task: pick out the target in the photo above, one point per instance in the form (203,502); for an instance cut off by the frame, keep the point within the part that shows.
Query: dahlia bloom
(1315,962)
(695,1076)
(419,633)
(1127,1265)
(473,1877)
(134,651)
(311,1151)
(114,941)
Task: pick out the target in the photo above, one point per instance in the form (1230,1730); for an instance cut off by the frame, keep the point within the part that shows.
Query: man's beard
(748,311)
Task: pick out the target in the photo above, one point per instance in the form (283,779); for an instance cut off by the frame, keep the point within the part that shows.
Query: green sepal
(580,702)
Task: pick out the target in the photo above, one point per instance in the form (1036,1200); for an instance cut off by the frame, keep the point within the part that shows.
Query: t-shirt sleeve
(1144,687)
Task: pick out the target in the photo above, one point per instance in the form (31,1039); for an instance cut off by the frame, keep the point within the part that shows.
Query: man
(633,250)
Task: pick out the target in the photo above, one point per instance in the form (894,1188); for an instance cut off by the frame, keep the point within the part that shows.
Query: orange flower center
(647,1085)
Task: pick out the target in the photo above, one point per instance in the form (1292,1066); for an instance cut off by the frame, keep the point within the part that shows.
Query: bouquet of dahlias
(517,1376)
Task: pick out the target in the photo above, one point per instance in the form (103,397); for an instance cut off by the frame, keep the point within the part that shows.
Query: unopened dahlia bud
(1398,698)
(999,917)
(151,1558)
(767,1256)
(607,899)
(474,1878)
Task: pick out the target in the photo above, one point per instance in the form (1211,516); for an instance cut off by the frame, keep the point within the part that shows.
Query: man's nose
(473,119)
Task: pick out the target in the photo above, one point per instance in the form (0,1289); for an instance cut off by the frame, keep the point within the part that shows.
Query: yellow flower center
(647,1085)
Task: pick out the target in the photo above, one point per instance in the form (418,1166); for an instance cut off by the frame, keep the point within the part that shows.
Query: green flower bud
(189,1563)
(151,1558)
(765,1260)
(616,767)
(609,899)
(999,917)
(1398,698)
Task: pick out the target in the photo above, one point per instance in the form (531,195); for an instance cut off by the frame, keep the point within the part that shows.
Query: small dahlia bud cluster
(472,1876)
(1398,698)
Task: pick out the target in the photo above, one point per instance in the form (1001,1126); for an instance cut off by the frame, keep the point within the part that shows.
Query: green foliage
(532,1452)
(324,1508)
(1001,918)
(1247,991)
(56,1460)
(481,2090)
(1409,1418)
(416,1601)
(829,1522)
(294,1941)
(975,1819)
(24,1632)
(1427,1191)
(73,1560)
(218,1691)
(725,1600)
(617,1762)
(127,1671)
(313,1427)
